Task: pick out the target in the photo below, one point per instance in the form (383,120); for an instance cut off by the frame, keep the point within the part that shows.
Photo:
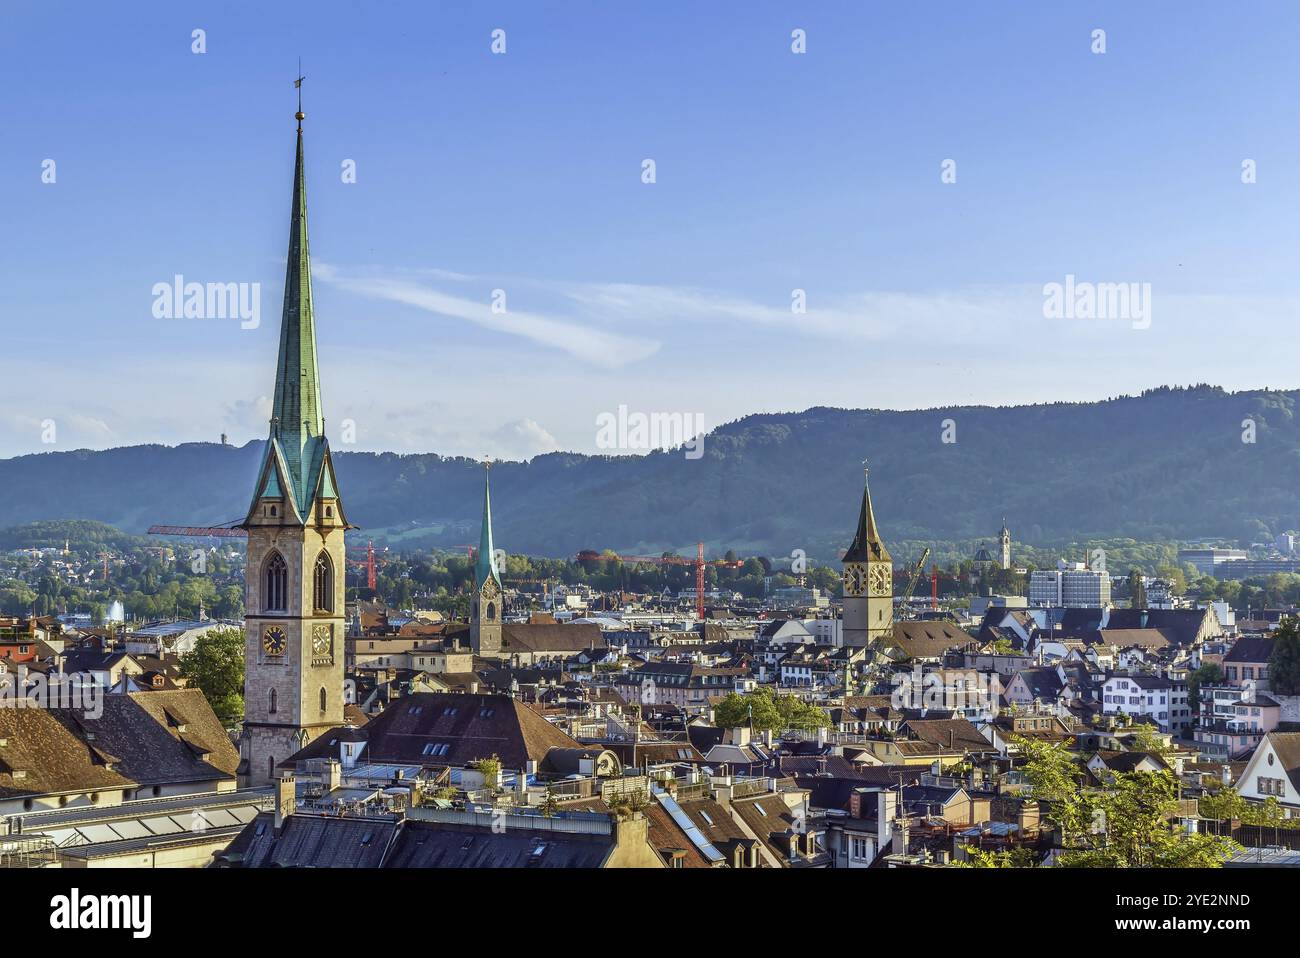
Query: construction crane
(590,555)
(372,562)
(220,532)
(916,574)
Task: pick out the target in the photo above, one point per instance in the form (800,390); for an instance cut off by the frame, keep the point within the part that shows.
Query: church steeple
(485,611)
(868,605)
(295,593)
(867,545)
(485,565)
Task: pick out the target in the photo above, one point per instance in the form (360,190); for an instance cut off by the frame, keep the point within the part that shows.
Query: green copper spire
(297,464)
(296,420)
(867,544)
(485,566)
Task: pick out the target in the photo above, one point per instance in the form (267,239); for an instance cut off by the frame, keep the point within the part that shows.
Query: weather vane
(297,83)
(864,469)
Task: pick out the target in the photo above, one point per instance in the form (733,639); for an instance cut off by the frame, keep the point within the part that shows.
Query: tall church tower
(294,586)
(868,582)
(485,607)
(1004,543)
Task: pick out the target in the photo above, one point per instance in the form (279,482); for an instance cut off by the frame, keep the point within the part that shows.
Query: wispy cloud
(579,340)
(606,324)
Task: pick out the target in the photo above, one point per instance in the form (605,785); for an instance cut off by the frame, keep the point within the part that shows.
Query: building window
(277,584)
(323,580)
(324,699)
(492,612)
(274,696)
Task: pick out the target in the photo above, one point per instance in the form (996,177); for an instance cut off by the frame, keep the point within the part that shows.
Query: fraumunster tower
(294,585)
(868,581)
(485,605)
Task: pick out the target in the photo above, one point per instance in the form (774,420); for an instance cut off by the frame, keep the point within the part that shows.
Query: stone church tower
(868,582)
(1004,545)
(485,607)
(294,585)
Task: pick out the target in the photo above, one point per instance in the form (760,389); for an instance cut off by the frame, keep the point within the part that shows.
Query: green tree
(1137,589)
(216,668)
(1129,824)
(1284,663)
(769,711)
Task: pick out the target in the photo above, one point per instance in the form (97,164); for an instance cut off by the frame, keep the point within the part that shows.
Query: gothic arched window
(273,700)
(277,584)
(323,698)
(492,612)
(323,581)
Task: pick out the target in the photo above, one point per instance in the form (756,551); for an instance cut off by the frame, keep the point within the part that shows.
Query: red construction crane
(588,555)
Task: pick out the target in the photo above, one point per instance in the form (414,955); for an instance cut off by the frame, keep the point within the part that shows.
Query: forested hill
(1169,464)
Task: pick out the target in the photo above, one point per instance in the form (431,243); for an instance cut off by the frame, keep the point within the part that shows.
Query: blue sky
(522,172)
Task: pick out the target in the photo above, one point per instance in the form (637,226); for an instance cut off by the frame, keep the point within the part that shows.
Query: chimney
(740,736)
(821,735)
(899,845)
(333,774)
(286,792)
(632,832)
(1028,818)
(886,810)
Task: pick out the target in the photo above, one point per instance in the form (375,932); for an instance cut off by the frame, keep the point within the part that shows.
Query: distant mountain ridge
(1168,464)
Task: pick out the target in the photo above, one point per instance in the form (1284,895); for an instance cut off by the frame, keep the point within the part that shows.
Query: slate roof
(1250,648)
(1181,624)
(1043,683)
(311,841)
(472,726)
(429,845)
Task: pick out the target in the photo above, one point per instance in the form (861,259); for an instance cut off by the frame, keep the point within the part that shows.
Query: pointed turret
(485,566)
(867,544)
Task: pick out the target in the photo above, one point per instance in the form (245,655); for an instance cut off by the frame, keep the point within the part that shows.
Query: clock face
(880,576)
(322,641)
(489,589)
(853,580)
(274,641)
